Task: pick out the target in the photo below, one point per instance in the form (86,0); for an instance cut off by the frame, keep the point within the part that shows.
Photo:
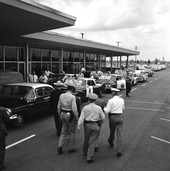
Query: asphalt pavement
(146,138)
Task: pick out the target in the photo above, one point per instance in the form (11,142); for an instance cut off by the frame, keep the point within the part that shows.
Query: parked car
(84,86)
(120,80)
(108,81)
(142,75)
(133,78)
(25,100)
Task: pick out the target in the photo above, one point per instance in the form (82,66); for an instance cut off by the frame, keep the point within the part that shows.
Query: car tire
(19,121)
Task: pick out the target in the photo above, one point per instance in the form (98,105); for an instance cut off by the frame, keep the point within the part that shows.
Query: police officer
(114,109)
(128,86)
(3,133)
(54,98)
(91,115)
(67,110)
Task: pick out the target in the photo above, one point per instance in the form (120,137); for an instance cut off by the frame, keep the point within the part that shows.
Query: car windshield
(15,91)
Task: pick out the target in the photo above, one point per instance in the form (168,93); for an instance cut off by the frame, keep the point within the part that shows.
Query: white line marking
(160,77)
(156,110)
(143,85)
(156,78)
(160,139)
(151,81)
(145,102)
(134,89)
(165,119)
(18,142)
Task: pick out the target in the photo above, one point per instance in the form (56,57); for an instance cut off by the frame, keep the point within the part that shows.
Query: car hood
(11,102)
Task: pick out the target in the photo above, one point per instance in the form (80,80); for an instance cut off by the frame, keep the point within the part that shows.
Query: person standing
(128,86)
(114,109)
(33,78)
(4,117)
(43,78)
(102,104)
(54,98)
(67,110)
(91,115)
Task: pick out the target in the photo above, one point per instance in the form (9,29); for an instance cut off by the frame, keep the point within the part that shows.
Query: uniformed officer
(91,115)
(128,86)
(67,110)
(4,117)
(114,109)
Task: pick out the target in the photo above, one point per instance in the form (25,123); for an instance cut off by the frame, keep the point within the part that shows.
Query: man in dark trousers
(128,86)
(54,98)
(4,117)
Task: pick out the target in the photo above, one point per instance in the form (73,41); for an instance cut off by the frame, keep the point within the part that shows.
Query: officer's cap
(93,96)
(115,90)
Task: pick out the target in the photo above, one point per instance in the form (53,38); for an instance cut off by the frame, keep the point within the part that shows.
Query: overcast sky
(141,23)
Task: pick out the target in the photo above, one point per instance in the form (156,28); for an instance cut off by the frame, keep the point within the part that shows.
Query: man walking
(3,133)
(91,115)
(114,109)
(54,98)
(67,110)
(128,86)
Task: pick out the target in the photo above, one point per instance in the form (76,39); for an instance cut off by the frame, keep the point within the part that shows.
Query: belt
(116,114)
(65,110)
(85,121)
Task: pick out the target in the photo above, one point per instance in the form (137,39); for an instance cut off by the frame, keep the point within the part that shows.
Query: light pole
(82,35)
(135,64)
(118,43)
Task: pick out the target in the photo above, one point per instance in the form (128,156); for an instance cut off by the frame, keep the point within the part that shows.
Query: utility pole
(135,64)
(82,35)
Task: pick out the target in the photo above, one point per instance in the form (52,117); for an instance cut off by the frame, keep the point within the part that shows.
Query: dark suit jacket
(3,119)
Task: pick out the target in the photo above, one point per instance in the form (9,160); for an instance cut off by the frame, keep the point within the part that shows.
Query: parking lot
(146,138)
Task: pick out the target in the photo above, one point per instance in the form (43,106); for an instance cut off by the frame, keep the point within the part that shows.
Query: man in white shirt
(114,109)
(91,115)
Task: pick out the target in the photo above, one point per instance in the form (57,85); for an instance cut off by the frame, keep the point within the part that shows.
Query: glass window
(39,92)
(76,57)
(35,55)
(55,67)
(87,58)
(64,56)
(1,54)
(37,68)
(55,55)
(11,66)
(81,57)
(91,57)
(47,91)
(21,54)
(70,56)
(1,67)
(10,54)
(45,55)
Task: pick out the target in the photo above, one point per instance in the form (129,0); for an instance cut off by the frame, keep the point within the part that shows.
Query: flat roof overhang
(21,17)
(57,41)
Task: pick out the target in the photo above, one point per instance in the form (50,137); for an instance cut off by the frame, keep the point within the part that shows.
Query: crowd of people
(69,118)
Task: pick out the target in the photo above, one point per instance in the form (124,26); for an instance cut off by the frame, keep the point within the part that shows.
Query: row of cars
(24,100)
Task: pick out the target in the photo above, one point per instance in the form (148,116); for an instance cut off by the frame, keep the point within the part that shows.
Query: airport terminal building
(26,42)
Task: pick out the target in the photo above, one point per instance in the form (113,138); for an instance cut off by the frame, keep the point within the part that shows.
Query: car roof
(33,85)
(82,78)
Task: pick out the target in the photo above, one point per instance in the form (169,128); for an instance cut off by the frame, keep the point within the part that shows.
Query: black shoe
(58,134)
(60,151)
(72,150)
(90,161)
(127,96)
(96,149)
(119,154)
(111,144)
